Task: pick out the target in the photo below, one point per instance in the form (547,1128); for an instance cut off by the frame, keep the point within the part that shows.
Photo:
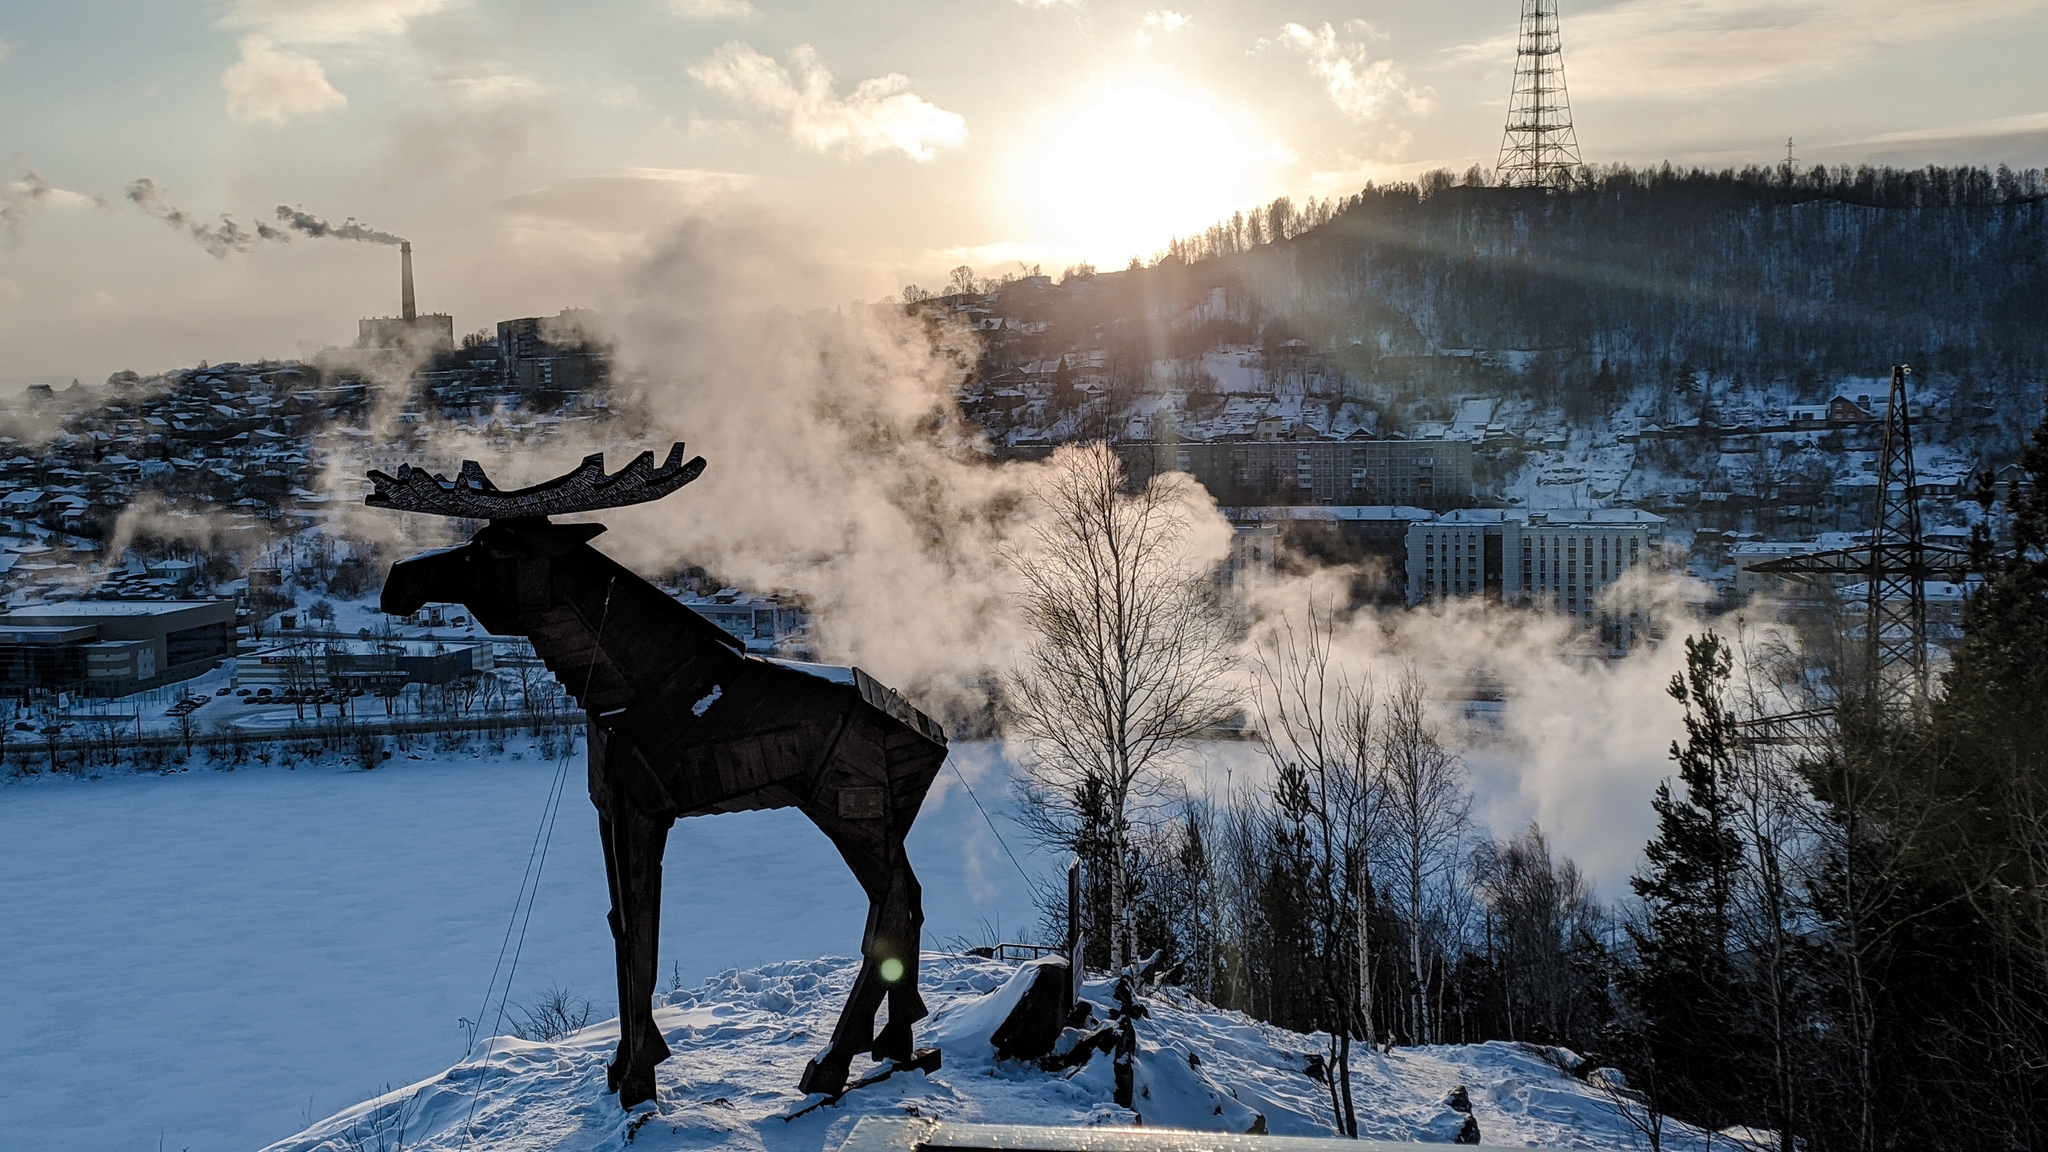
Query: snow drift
(741,1039)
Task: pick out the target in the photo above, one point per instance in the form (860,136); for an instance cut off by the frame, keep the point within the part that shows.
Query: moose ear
(536,537)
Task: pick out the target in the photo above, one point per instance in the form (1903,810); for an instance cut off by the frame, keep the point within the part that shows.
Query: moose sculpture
(684,722)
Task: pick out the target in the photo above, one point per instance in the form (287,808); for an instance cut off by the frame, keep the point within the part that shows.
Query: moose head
(505,568)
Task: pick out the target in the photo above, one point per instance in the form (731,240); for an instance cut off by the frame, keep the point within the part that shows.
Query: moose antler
(585,489)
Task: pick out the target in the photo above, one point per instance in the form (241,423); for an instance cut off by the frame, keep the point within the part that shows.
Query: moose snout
(438,577)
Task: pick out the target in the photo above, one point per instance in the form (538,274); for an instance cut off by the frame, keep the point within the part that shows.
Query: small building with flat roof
(113,647)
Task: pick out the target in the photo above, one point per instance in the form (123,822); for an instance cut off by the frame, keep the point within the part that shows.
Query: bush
(556,1014)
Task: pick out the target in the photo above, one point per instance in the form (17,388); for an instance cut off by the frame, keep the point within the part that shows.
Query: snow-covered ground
(740,1039)
(213,960)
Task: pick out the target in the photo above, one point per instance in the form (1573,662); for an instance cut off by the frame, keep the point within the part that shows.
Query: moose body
(684,722)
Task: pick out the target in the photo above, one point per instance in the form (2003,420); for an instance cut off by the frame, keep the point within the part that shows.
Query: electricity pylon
(1539,148)
(1895,567)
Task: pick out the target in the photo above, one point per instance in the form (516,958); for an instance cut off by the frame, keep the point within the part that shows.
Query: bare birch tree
(1129,660)
(1315,721)
(1427,809)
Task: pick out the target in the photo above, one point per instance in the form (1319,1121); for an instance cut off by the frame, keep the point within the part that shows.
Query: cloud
(1164,21)
(326,21)
(712,9)
(1361,88)
(613,214)
(6,50)
(1677,47)
(1050,3)
(20,199)
(270,85)
(882,114)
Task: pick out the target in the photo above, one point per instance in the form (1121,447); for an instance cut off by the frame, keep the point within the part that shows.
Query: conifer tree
(1681,982)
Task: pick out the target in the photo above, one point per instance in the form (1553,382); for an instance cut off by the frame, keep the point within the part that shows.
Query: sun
(1133,164)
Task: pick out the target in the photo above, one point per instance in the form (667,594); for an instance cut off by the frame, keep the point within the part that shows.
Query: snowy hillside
(741,1039)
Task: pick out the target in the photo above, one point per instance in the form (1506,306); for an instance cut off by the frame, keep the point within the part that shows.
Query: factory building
(1561,558)
(409,331)
(113,647)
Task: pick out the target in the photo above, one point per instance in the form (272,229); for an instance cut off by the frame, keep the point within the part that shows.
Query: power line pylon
(1895,567)
(1539,148)
(1896,591)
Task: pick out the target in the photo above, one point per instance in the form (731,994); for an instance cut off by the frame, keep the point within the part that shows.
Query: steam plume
(349,229)
(219,237)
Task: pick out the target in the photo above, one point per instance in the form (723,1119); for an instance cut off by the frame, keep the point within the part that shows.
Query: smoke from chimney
(219,237)
(349,229)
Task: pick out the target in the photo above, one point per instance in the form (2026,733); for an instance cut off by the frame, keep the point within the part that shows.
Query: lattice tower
(1539,149)
(1896,647)
(1895,567)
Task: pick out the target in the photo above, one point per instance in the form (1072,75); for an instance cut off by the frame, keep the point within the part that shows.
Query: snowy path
(215,959)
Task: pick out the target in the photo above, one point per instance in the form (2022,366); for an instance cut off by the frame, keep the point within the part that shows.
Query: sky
(536,151)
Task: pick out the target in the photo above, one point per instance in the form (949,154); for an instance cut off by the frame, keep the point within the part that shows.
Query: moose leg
(633,844)
(904,916)
(889,953)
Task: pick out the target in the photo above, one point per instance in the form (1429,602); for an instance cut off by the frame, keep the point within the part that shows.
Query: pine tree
(1681,982)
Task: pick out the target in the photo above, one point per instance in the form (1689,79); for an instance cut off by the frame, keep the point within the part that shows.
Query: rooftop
(104,608)
(1552,517)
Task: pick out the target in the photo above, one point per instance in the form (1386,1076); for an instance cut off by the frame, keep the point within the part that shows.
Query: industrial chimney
(405,261)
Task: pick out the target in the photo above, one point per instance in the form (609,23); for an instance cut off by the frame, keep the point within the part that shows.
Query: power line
(991,821)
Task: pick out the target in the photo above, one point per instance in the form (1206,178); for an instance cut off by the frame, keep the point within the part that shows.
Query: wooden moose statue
(683,721)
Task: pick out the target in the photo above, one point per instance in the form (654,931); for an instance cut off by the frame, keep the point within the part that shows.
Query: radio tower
(1539,150)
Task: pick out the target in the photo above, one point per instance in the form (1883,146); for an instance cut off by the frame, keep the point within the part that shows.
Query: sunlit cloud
(326,21)
(20,199)
(1359,86)
(1164,21)
(712,9)
(1667,47)
(270,85)
(881,115)
(1999,126)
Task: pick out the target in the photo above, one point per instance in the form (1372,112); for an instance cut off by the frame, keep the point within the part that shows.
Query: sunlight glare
(1136,163)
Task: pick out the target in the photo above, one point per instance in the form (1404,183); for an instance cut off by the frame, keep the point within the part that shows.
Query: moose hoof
(636,1087)
(893,1044)
(824,1079)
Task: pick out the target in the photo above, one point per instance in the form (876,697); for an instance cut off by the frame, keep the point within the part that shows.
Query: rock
(1458,1100)
(1316,1070)
(1469,1132)
(1034,1025)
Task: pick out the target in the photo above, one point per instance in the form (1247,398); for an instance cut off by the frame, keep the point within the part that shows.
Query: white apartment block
(1559,558)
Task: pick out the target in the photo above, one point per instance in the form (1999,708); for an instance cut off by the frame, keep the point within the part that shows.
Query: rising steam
(842,471)
(308,224)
